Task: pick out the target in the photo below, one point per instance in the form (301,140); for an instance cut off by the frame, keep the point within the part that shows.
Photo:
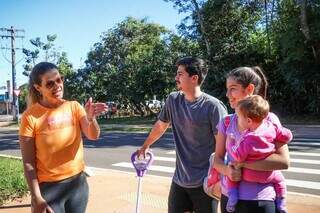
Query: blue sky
(77,23)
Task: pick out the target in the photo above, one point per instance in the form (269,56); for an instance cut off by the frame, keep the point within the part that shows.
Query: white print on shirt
(237,142)
(60,120)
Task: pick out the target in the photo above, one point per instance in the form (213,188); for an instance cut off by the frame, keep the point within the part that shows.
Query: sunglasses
(50,84)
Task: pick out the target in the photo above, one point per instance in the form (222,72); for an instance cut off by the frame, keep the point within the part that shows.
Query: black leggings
(183,199)
(67,196)
(250,206)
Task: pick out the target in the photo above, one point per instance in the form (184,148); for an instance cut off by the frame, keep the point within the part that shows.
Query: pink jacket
(258,145)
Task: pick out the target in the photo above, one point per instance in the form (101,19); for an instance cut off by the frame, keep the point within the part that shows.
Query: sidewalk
(115,192)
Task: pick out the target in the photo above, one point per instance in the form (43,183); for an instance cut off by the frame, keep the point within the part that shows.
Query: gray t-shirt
(194,126)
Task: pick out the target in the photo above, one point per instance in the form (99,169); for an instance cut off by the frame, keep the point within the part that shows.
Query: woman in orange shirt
(51,143)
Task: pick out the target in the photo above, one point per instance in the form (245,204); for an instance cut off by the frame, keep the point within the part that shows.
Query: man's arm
(157,131)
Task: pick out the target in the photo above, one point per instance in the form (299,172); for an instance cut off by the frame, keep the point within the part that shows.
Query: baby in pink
(256,143)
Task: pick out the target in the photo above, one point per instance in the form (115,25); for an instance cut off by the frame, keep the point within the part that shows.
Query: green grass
(12,181)
(137,120)
(14,125)
(134,120)
(126,129)
(129,129)
(129,120)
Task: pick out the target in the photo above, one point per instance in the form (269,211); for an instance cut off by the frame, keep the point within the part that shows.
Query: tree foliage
(132,63)
(135,59)
(46,51)
(282,36)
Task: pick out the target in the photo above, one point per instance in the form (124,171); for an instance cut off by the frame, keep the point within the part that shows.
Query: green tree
(196,9)
(230,30)
(46,51)
(66,70)
(42,50)
(23,97)
(296,34)
(282,36)
(132,63)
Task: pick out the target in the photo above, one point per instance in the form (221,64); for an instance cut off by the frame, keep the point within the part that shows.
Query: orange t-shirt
(58,141)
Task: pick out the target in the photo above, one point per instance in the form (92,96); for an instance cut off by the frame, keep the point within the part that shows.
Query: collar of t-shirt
(195,100)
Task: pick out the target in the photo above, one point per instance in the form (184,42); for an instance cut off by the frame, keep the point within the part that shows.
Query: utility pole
(11,33)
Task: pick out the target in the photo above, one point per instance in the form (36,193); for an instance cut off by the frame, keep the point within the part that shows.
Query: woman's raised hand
(94,109)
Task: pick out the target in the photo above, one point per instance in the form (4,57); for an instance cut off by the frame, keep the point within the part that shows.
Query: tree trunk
(139,108)
(317,111)
(202,28)
(267,27)
(304,26)
(272,13)
(149,111)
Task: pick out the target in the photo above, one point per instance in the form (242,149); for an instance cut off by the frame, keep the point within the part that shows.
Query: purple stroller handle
(143,165)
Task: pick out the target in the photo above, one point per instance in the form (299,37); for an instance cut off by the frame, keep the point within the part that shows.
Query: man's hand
(157,131)
(142,151)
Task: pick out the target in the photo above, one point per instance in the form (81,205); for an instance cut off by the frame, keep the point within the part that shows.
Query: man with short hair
(193,116)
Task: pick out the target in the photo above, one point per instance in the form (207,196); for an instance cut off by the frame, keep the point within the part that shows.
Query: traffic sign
(16,92)
(2,97)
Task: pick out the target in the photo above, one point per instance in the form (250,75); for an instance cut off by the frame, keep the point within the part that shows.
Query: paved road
(113,151)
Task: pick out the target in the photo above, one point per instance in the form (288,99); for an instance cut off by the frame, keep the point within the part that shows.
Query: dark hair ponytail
(262,90)
(251,75)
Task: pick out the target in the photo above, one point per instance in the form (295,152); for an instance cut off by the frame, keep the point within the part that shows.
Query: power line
(11,33)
